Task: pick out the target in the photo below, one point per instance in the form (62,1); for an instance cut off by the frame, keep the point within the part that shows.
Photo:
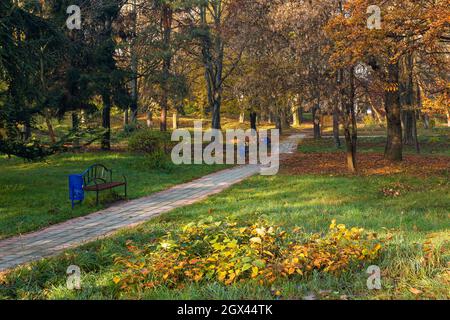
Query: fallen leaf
(415,291)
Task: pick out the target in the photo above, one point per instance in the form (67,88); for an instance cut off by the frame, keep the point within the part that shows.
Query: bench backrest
(97,174)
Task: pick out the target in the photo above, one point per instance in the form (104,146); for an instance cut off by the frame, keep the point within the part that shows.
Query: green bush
(149,142)
(158,160)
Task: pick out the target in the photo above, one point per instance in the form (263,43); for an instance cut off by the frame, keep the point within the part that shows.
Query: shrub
(30,151)
(158,160)
(371,123)
(228,253)
(149,141)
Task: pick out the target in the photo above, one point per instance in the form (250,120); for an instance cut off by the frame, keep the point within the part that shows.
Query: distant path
(53,240)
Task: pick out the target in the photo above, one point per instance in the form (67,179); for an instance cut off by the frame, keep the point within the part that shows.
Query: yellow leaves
(233,244)
(222,275)
(261,231)
(256,240)
(391,87)
(230,254)
(198,277)
(116,279)
(333,225)
(165,245)
(255,272)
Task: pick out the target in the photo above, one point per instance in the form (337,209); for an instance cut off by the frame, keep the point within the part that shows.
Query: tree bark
(76,128)
(213,63)
(51,131)
(175,120)
(149,119)
(167,15)
(295,116)
(408,101)
(242,117)
(253,120)
(278,124)
(125,118)
(134,69)
(337,140)
(394,144)
(316,121)
(163,122)
(300,115)
(106,123)
(350,123)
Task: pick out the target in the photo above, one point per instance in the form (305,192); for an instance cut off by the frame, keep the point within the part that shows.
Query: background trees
(269,59)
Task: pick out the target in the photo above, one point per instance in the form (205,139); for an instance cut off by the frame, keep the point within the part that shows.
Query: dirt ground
(368,164)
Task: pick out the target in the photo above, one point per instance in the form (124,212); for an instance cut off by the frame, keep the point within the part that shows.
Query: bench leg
(125,190)
(97,198)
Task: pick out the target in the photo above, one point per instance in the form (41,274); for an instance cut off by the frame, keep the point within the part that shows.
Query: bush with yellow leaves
(228,253)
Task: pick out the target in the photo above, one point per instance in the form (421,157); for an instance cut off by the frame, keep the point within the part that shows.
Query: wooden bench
(99,178)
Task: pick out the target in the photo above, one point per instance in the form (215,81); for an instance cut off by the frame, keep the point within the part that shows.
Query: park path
(72,233)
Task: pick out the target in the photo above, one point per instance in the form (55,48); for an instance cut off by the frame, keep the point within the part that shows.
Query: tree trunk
(316,121)
(350,124)
(213,63)
(278,124)
(295,116)
(408,126)
(394,144)
(149,119)
(253,120)
(216,115)
(375,112)
(51,131)
(337,140)
(408,101)
(76,129)
(106,123)
(300,115)
(167,15)
(134,68)
(82,118)
(125,118)
(242,117)
(27,131)
(175,120)
(163,124)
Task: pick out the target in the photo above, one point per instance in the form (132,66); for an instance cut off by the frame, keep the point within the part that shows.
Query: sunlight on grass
(35,195)
(356,201)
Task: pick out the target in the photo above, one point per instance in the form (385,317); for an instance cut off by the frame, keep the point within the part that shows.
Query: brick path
(52,240)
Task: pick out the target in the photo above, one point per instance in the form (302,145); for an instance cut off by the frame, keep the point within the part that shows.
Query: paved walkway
(51,241)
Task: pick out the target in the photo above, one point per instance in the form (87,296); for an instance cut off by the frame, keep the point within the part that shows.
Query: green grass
(311,202)
(35,195)
(436,145)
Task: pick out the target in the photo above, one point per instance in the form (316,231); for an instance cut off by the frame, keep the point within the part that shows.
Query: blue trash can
(76,191)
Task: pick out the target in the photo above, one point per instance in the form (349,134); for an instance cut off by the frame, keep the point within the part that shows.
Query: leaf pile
(228,253)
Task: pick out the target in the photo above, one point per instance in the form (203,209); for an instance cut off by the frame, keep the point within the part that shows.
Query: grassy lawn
(413,225)
(35,195)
